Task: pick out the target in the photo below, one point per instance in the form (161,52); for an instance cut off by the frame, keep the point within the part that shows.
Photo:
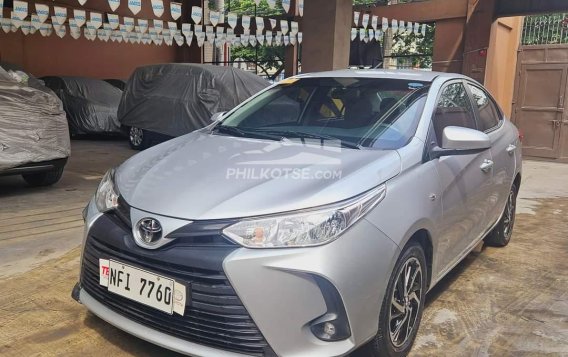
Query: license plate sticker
(156,291)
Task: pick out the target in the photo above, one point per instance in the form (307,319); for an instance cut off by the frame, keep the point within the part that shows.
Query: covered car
(168,100)
(34,137)
(91,104)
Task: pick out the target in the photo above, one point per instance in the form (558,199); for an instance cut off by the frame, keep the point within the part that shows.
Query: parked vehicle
(164,101)
(118,83)
(34,138)
(91,104)
(309,221)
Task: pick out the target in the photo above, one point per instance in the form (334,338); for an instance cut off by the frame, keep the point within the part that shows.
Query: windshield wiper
(304,135)
(245,133)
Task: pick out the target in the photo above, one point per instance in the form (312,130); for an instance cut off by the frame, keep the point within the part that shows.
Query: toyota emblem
(149,230)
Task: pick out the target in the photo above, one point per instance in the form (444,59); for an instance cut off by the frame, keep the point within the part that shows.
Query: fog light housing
(333,325)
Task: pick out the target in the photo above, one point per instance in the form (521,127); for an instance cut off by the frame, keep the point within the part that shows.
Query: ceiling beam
(420,11)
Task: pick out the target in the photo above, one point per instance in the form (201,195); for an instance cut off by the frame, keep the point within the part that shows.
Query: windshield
(357,112)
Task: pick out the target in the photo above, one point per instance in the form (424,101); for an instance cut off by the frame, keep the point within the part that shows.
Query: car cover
(33,126)
(175,99)
(91,104)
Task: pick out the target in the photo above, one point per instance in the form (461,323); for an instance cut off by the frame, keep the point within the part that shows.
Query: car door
(465,180)
(504,143)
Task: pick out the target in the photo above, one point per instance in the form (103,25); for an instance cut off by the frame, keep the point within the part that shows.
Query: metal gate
(540,107)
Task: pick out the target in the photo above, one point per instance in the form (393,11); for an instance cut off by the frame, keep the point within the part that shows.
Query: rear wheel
(45,178)
(402,306)
(139,139)
(500,236)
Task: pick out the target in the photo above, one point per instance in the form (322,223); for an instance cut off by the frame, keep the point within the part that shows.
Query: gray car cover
(178,98)
(91,104)
(33,126)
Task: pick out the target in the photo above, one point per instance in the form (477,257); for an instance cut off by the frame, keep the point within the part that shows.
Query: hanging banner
(300,7)
(284,26)
(354,33)
(365,20)
(196,14)
(20,10)
(214,17)
(135,6)
(82,2)
(172,26)
(143,25)
(300,37)
(175,10)
(273,24)
(259,23)
(158,25)
(356,15)
(113,21)
(36,23)
(245,21)
(294,27)
(394,26)
(232,19)
(114,4)
(269,36)
(80,17)
(271,3)
(416,29)
(385,25)
(42,12)
(96,19)
(158,7)
(374,22)
(286,5)
(60,14)
(128,23)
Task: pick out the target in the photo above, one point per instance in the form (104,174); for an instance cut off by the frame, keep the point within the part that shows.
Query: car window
(488,114)
(453,109)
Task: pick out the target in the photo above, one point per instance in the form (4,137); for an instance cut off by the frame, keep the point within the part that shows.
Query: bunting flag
(114,4)
(90,28)
(20,11)
(294,27)
(61,31)
(269,36)
(271,3)
(220,41)
(82,2)
(210,33)
(375,22)
(186,29)
(158,7)
(259,23)
(385,25)
(356,15)
(36,23)
(143,25)
(196,14)
(286,5)
(394,26)
(75,34)
(284,26)
(42,12)
(354,33)
(245,37)
(365,20)
(113,21)
(80,17)
(26,27)
(16,22)
(293,40)
(273,24)
(409,27)
(371,34)
(286,40)
(60,14)
(278,38)
(214,17)
(232,19)
(245,22)
(128,23)
(362,34)
(378,35)
(179,40)
(300,37)
(252,40)
(300,7)
(158,25)
(172,26)
(96,19)
(416,28)
(135,6)
(6,24)
(200,37)
(423,30)
(123,32)
(175,10)
(401,26)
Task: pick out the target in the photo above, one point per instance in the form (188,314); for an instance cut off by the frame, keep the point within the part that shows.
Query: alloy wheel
(509,216)
(136,136)
(405,302)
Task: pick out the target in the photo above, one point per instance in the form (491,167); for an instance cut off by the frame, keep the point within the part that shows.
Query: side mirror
(461,141)
(217,117)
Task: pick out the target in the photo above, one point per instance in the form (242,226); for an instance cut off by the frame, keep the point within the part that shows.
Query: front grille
(214,315)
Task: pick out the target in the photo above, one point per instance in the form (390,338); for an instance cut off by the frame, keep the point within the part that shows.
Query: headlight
(107,194)
(304,228)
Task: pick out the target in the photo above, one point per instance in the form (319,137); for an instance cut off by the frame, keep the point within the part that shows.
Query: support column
(448,45)
(326,28)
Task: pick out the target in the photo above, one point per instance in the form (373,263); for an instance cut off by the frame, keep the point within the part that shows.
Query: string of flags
(91,25)
(371,29)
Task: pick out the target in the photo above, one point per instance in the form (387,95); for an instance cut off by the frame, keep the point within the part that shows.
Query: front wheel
(402,306)
(45,178)
(500,236)
(138,138)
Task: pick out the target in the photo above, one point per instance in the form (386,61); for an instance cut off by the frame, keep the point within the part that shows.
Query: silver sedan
(311,220)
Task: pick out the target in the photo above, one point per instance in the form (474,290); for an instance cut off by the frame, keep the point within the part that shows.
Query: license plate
(160,292)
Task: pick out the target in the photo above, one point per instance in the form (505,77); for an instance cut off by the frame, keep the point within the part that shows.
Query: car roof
(418,75)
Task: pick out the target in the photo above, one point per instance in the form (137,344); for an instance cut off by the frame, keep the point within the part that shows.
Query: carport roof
(426,76)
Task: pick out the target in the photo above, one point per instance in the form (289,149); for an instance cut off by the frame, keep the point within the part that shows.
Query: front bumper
(279,289)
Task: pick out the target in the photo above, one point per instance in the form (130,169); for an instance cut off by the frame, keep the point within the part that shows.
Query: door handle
(556,123)
(511,149)
(487,165)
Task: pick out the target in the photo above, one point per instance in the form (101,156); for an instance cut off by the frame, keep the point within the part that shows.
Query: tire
(383,343)
(45,178)
(138,138)
(500,236)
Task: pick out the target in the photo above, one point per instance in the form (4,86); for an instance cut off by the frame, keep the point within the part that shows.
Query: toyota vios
(309,221)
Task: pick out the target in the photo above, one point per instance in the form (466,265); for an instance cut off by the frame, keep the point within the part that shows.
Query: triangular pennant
(75,34)
(354,33)
(210,33)
(365,20)
(135,6)
(200,39)
(179,40)
(214,17)
(378,35)
(80,17)
(260,38)
(36,23)
(158,25)
(245,22)
(26,28)
(423,30)
(286,5)
(269,36)
(284,26)
(356,15)
(385,25)
(96,19)
(409,28)
(278,38)
(374,22)
(394,26)
(113,21)
(128,23)
(42,12)
(186,29)
(114,4)
(273,24)
(286,40)
(143,25)
(196,14)
(158,7)
(61,31)
(300,37)
(232,19)
(259,23)
(175,10)
(172,26)
(363,35)
(300,7)
(82,2)
(294,27)
(60,14)
(20,11)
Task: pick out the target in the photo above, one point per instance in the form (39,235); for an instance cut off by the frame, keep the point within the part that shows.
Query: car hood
(205,176)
